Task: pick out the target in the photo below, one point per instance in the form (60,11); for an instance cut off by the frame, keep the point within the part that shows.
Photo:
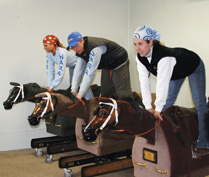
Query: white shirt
(164,72)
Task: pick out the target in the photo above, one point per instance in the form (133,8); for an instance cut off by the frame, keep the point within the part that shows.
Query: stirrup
(194,155)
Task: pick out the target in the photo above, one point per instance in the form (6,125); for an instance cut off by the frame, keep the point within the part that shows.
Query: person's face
(49,47)
(142,47)
(79,47)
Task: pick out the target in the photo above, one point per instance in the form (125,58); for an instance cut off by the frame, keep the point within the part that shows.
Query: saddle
(184,123)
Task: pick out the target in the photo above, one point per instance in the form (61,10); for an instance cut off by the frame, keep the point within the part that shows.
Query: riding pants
(197,86)
(117,81)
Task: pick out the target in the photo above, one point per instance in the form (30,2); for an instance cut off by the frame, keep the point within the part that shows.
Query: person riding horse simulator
(171,66)
(98,53)
(57,54)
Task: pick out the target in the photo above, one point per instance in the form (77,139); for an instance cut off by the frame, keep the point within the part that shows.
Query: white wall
(24,24)
(181,23)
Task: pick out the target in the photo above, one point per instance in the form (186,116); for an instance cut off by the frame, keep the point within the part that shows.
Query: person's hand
(151,110)
(157,115)
(48,88)
(74,93)
(77,96)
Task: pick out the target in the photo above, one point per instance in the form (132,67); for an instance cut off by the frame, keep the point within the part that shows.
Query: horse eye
(95,112)
(103,113)
(41,104)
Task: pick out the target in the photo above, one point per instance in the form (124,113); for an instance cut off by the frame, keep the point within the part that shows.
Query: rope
(72,106)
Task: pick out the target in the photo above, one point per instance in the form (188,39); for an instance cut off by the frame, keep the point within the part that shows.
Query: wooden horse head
(43,108)
(22,92)
(15,94)
(104,116)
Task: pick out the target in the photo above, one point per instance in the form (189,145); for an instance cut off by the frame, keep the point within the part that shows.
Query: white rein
(20,91)
(114,107)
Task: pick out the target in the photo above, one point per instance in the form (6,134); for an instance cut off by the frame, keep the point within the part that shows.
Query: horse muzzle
(7,105)
(33,121)
(90,134)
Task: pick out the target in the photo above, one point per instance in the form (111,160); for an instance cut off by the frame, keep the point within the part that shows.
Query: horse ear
(14,84)
(40,95)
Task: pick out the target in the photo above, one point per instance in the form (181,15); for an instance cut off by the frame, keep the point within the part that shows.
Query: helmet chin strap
(114,107)
(19,92)
(49,99)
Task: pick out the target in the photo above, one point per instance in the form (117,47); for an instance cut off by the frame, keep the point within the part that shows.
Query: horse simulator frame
(165,150)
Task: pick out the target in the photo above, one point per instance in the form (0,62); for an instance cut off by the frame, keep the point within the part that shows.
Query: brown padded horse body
(68,106)
(128,118)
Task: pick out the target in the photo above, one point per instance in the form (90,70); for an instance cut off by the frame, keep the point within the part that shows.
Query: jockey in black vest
(98,53)
(171,66)
(114,57)
(186,60)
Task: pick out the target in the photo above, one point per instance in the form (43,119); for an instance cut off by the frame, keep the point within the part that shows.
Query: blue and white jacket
(63,59)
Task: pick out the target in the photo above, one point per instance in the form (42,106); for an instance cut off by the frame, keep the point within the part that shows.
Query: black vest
(114,56)
(186,61)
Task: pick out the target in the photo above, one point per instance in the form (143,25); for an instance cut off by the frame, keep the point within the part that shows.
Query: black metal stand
(102,164)
(64,128)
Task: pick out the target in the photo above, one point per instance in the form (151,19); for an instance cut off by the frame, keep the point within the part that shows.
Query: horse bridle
(114,107)
(49,100)
(19,92)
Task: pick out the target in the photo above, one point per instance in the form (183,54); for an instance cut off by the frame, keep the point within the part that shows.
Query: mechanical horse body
(166,150)
(98,113)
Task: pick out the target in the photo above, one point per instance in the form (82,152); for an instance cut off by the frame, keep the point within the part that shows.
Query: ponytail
(59,44)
